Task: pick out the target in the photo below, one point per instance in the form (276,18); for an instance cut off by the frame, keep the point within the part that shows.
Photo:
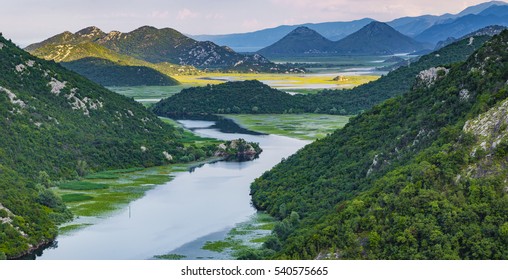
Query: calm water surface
(210,199)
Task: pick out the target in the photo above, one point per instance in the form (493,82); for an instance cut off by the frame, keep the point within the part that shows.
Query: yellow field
(279,81)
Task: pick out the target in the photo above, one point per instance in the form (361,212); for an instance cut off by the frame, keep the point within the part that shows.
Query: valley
(145,213)
(337,140)
(322,71)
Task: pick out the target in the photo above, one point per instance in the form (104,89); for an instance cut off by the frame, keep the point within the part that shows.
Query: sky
(30,21)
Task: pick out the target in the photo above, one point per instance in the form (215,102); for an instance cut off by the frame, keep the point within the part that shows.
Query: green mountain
(421,176)
(68,47)
(107,73)
(244,96)
(168,45)
(58,125)
(165,50)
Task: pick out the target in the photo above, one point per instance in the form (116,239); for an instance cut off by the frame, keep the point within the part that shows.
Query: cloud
(214,16)
(186,14)
(160,14)
(251,24)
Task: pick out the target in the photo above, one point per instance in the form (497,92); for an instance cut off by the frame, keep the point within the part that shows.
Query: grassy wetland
(300,126)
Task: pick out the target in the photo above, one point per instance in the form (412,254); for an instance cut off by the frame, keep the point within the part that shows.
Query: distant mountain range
(223,98)
(254,41)
(375,38)
(409,26)
(164,50)
(486,31)
(494,15)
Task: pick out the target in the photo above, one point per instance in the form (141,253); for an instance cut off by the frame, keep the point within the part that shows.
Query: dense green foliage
(404,180)
(251,97)
(231,97)
(57,125)
(107,73)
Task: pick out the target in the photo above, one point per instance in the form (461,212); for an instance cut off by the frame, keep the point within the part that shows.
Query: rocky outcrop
(238,150)
(491,135)
(428,78)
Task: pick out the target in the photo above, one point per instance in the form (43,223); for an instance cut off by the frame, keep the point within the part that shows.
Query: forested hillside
(107,73)
(231,97)
(421,176)
(57,125)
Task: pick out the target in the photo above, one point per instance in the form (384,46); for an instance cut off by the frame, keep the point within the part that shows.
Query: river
(195,204)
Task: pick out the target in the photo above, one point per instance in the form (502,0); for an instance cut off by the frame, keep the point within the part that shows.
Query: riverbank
(191,205)
(233,243)
(102,194)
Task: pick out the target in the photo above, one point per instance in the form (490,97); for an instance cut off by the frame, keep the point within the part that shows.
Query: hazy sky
(29,21)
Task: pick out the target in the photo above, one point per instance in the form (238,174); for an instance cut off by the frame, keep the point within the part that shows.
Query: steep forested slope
(55,124)
(421,176)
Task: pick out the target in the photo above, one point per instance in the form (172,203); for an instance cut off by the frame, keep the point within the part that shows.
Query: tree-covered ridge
(231,97)
(418,177)
(76,49)
(253,97)
(55,125)
(83,57)
(107,73)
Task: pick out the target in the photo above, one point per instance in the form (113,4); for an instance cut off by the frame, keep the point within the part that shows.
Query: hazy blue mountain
(301,41)
(494,15)
(490,31)
(254,41)
(377,38)
(480,8)
(500,11)
(410,26)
